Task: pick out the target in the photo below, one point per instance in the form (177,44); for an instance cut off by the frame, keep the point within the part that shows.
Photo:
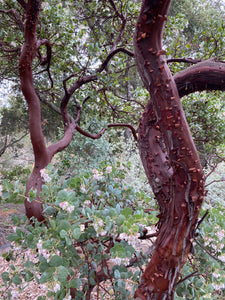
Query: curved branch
(207,75)
(99,135)
(15,16)
(84,80)
(69,92)
(64,142)
(110,56)
(184,60)
(123,19)
(5,146)
(90,135)
(124,125)
(207,251)
(195,273)
(3,149)
(10,50)
(47,58)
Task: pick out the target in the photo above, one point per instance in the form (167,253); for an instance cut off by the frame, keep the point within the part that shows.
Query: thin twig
(15,16)
(207,251)
(202,219)
(219,180)
(213,167)
(185,278)
(46,60)
(185,60)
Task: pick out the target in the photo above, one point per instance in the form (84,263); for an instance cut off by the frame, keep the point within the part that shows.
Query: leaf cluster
(93,222)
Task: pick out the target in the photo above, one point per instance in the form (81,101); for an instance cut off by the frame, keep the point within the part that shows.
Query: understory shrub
(95,234)
(92,227)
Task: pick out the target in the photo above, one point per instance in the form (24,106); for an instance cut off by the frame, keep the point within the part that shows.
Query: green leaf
(12,237)
(75,182)
(68,241)
(61,196)
(56,261)
(5,276)
(127,211)
(53,224)
(47,275)
(29,276)
(43,266)
(19,233)
(47,245)
(118,251)
(62,273)
(120,220)
(63,234)
(29,264)
(17,280)
(117,274)
(75,283)
(15,219)
(76,233)
(64,225)
(49,210)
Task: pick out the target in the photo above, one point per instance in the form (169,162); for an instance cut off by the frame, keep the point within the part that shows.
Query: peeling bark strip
(168,155)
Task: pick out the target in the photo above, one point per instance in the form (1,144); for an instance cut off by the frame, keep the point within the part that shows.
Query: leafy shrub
(93,223)
(205,116)
(15,173)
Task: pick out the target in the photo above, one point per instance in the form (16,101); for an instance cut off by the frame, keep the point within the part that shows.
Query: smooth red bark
(207,75)
(42,154)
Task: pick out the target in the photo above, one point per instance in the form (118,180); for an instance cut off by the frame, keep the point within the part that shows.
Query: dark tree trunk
(169,158)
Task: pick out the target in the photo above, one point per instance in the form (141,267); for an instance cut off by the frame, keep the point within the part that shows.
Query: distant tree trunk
(169,158)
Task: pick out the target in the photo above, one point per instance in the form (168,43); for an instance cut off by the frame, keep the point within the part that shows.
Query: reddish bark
(42,153)
(166,147)
(207,75)
(169,157)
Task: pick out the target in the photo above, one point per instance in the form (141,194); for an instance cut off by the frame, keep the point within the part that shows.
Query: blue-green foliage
(93,223)
(205,114)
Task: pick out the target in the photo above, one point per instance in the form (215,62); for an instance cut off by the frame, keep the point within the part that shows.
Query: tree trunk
(42,154)
(169,158)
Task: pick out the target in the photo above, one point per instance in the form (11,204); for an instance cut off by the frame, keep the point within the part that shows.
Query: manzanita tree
(168,152)
(166,147)
(43,154)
